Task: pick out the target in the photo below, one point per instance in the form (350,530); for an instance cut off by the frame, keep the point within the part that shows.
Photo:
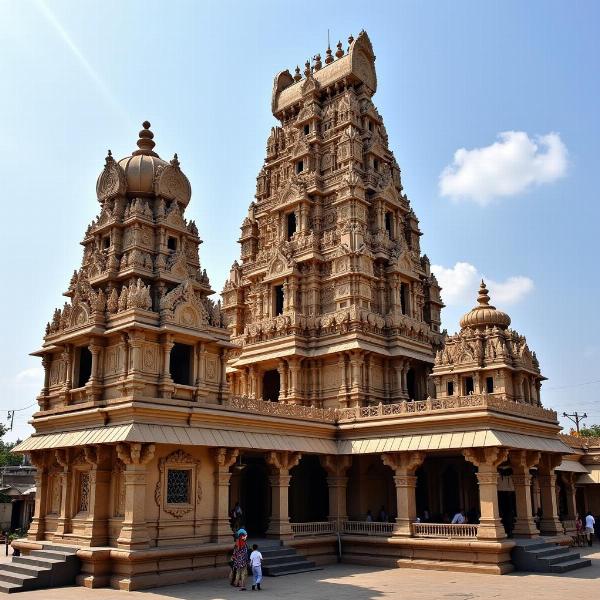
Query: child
(256,564)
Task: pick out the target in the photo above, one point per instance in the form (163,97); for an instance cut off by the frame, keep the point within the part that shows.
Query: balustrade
(314,528)
(444,530)
(368,528)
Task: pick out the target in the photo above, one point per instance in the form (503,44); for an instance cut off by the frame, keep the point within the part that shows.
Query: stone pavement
(351,582)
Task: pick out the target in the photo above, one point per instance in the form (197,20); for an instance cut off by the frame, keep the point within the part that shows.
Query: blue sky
(79,78)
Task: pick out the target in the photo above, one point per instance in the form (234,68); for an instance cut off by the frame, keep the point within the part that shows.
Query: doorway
(255,498)
(271,385)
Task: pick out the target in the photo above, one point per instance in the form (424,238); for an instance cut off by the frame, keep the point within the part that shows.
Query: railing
(314,528)
(368,528)
(405,409)
(443,530)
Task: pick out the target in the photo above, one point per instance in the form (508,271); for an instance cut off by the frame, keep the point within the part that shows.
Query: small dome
(144,173)
(485,315)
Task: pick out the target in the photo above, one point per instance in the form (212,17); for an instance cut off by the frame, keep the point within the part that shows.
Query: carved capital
(489,458)
(549,462)
(62,457)
(405,481)
(403,463)
(523,460)
(225,457)
(335,466)
(284,460)
(135,453)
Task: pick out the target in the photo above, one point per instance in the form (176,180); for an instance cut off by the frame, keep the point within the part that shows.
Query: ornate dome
(143,173)
(485,315)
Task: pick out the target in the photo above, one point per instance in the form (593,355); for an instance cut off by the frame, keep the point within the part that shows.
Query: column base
(551,526)
(525,528)
(36,529)
(132,538)
(223,531)
(493,530)
(280,530)
(403,528)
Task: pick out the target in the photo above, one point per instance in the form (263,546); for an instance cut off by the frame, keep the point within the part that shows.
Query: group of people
(243,561)
(382,516)
(586,531)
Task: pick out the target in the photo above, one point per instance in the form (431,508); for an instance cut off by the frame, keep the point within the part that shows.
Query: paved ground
(349,582)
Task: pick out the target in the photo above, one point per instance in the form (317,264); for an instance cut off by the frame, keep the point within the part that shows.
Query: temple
(321,395)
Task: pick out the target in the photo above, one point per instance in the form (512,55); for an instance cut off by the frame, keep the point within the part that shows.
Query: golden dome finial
(145,142)
(483,298)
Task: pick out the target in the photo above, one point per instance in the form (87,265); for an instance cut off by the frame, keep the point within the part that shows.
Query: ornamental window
(83,503)
(291,224)
(83,365)
(181,364)
(178,486)
(489,385)
(450,388)
(300,166)
(469,387)
(172,243)
(278,299)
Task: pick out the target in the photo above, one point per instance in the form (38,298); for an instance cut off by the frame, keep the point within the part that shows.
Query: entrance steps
(54,566)
(280,560)
(539,556)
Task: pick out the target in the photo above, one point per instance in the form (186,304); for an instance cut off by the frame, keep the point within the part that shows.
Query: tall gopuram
(332,303)
(332,396)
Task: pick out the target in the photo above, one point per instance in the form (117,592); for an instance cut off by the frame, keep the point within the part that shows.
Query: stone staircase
(546,557)
(54,566)
(280,560)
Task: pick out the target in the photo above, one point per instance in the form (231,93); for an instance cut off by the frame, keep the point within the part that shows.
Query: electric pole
(575,417)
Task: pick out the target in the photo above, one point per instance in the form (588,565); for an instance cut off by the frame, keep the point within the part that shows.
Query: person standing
(236,516)
(256,564)
(240,560)
(589,527)
(459,518)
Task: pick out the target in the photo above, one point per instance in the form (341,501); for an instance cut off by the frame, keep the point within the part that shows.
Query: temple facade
(321,395)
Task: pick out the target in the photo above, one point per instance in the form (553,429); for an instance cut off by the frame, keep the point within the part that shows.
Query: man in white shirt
(458,518)
(589,527)
(256,564)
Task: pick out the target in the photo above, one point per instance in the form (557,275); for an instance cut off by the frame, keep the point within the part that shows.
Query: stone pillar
(550,523)
(165,382)
(404,465)
(337,484)
(37,529)
(281,369)
(63,458)
(135,456)
(252,381)
(522,461)
(487,461)
(568,480)
(294,371)
(281,463)
(96,522)
(224,458)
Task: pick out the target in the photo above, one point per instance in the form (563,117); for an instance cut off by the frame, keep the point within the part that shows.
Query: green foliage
(7,458)
(591,431)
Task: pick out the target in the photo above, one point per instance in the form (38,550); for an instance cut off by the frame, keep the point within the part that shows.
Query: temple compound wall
(321,395)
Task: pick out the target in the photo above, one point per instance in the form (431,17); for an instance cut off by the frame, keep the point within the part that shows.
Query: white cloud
(31,375)
(505,168)
(460,285)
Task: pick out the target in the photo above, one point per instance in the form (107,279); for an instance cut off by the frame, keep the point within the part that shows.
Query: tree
(591,431)
(7,458)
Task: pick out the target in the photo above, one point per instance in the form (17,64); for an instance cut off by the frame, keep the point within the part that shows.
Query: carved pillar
(294,371)
(522,461)
(135,342)
(224,458)
(251,381)
(37,529)
(165,382)
(63,458)
(550,523)
(404,465)
(343,389)
(568,480)
(135,456)
(96,522)
(45,391)
(281,369)
(487,461)
(337,484)
(281,463)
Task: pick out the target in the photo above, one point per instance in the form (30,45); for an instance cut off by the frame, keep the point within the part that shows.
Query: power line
(565,387)
(575,417)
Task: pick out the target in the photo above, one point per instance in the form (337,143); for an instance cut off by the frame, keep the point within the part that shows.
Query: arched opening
(308,496)
(271,385)
(181,364)
(254,495)
(411,384)
(85,366)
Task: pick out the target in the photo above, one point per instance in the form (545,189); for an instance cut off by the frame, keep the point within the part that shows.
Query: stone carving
(111,181)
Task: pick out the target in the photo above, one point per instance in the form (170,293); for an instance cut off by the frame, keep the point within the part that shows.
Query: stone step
(61,549)
(298,566)
(570,565)
(549,552)
(35,561)
(25,569)
(54,555)
(277,553)
(9,588)
(296,571)
(18,578)
(283,560)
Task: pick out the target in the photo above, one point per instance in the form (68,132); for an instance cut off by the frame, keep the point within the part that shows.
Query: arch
(309,495)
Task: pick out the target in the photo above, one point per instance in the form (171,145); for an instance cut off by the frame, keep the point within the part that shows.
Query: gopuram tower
(332,303)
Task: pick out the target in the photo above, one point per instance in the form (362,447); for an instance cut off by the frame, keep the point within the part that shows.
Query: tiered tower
(486,357)
(332,302)
(138,322)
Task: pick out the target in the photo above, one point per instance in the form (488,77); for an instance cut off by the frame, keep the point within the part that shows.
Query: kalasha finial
(350,40)
(175,161)
(318,63)
(328,55)
(339,52)
(297,76)
(145,142)
(307,68)
(109,157)
(483,298)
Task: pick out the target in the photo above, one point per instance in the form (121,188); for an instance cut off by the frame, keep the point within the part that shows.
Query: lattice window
(178,486)
(84,492)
